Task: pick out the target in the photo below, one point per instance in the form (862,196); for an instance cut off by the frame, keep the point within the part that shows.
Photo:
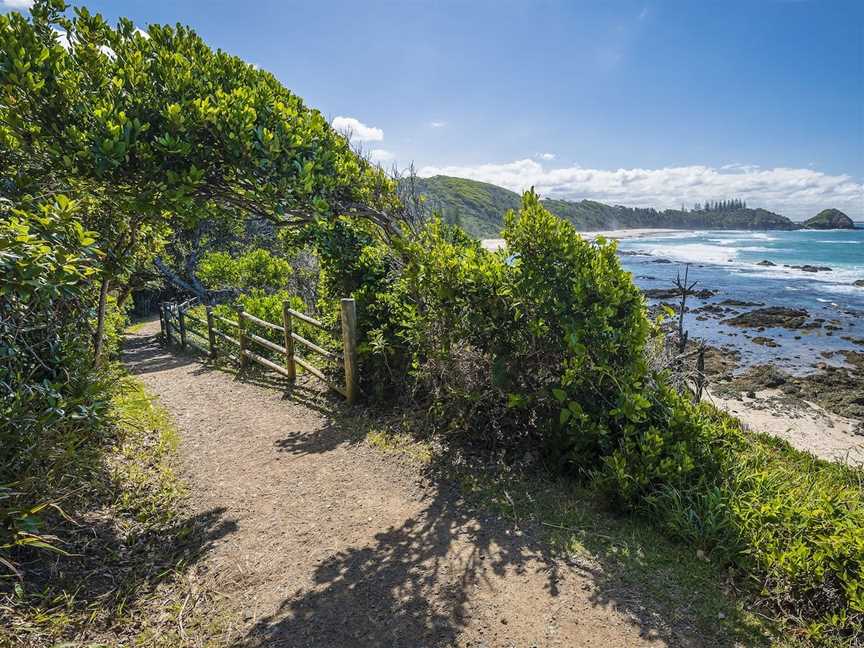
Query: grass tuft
(128,574)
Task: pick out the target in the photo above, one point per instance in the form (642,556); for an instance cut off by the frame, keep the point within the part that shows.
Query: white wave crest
(695,253)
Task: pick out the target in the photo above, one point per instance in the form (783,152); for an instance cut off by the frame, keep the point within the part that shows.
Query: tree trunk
(124,295)
(172,276)
(99,337)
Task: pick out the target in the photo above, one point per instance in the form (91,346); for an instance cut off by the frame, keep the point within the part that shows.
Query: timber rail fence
(176,321)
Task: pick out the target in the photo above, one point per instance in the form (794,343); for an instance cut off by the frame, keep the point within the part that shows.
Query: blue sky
(644,103)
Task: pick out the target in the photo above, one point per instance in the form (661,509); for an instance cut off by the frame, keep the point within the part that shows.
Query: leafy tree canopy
(172,126)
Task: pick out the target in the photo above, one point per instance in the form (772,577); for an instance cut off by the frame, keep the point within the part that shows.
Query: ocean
(728,262)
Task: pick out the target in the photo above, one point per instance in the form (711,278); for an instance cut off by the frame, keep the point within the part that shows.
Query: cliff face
(479,207)
(829,219)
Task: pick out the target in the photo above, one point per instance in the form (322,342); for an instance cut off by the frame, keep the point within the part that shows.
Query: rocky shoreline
(839,390)
(824,403)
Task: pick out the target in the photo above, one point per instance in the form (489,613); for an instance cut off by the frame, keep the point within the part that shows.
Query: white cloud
(65,42)
(381,155)
(62,38)
(545,156)
(358,131)
(16,4)
(438,124)
(796,193)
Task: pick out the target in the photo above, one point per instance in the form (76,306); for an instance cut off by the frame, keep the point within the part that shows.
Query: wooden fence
(175,322)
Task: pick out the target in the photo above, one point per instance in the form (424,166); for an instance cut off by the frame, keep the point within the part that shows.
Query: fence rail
(173,317)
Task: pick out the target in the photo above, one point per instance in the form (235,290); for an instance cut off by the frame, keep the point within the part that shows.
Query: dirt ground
(334,543)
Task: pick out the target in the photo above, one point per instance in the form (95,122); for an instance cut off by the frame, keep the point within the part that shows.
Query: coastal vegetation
(125,146)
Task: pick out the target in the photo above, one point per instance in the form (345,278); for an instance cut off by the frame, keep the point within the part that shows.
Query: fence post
(166,314)
(349,348)
(181,319)
(161,323)
(290,365)
(211,336)
(241,337)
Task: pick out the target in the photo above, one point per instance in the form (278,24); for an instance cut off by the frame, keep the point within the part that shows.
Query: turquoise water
(727,262)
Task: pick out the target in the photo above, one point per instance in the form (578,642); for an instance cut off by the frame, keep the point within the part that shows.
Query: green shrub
(546,340)
(800,521)
(262,279)
(52,398)
(116,321)
(256,269)
(269,307)
(356,262)
(576,348)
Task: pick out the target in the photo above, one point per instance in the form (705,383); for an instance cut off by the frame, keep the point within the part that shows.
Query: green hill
(479,207)
(829,219)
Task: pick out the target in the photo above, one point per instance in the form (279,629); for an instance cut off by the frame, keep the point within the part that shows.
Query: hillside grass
(477,207)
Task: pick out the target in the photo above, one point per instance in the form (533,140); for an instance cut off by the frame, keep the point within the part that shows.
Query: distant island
(479,207)
(829,219)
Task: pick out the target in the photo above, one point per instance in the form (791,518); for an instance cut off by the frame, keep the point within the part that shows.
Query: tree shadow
(410,587)
(143,354)
(322,440)
(414,584)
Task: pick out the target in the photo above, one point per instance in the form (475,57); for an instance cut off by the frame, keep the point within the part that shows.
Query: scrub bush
(256,269)
(52,398)
(355,261)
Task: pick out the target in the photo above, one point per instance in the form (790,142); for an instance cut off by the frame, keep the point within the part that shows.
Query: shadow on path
(411,587)
(143,354)
(447,572)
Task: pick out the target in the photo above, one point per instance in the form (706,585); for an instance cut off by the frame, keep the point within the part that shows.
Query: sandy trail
(335,544)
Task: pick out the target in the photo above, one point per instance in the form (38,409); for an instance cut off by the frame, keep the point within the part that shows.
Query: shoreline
(635,233)
(615,234)
(804,425)
(820,412)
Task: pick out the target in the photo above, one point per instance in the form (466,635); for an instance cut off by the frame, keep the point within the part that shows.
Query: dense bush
(262,280)
(256,269)
(800,524)
(445,315)
(355,261)
(549,336)
(51,398)
(791,523)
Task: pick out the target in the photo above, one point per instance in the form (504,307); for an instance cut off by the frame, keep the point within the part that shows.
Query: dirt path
(334,544)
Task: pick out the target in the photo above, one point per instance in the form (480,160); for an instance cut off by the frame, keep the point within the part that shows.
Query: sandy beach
(806,426)
(617,234)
